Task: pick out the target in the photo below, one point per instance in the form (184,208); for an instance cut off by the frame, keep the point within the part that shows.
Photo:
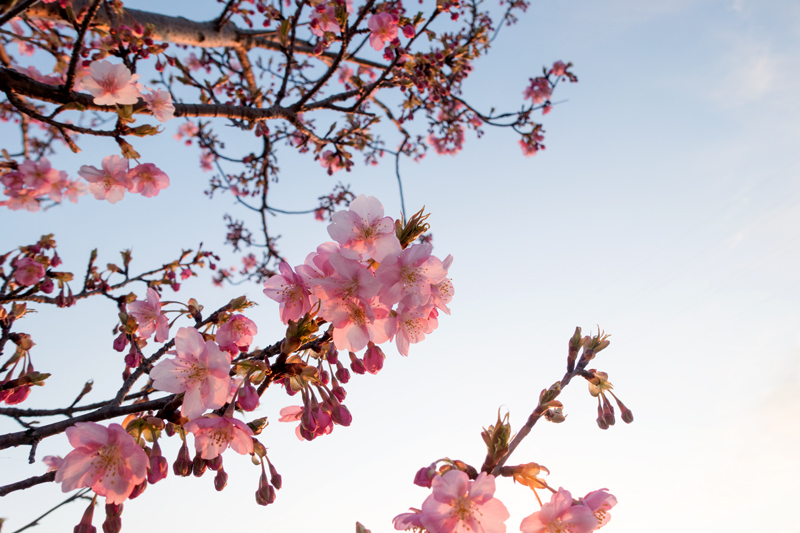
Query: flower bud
(248,397)
(274,477)
(373,359)
(139,489)
(424,476)
(339,393)
(198,466)
(113,521)
(626,415)
(215,464)
(183,463)
(159,466)
(342,374)
(601,423)
(341,415)
(332,355)
(121,342)
(408,31)
(220,480)
(85,525)
(356,364)
(133,358)
(47,285)
(608,413)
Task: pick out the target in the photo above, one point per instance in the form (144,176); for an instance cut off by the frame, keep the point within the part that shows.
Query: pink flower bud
(183,463)
(248,397)
(133,358)
(332,355)
(424,476)
(85,525)
(275,477)
(215,464)
(55,261)
(341,415)
(220,480)
(339,393)
(198,466)
(47,285)
(139,489)
(324,376)
(113,521)
(19,395)
(120,342)
(158,468)
(373,359)
(408,31)
(342,374)
(356,364)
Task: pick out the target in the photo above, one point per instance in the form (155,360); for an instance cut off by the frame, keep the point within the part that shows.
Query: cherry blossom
(558,515)
(215,434)
(236,334)
(384,29)
(600,502)
(200,370)
(363,232)
(149,317)
(111,182)
(106,459)
(290,291)
(538,91)
(459,505)
(412,325)
(29,271)
(323,19)
(111,84)
(332,161)
(292,413)
(53,462)
(406,521)
(442,292)
(408,277)
(160,103)
(147,179)
(350,280)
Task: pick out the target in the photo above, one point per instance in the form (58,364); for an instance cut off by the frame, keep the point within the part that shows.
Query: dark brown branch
(16,10)
(27,483)
(78,45)
(64,411)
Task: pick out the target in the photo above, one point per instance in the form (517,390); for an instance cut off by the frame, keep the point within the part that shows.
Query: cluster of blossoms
(459,504)
(114,84)
(114,178)
(357,281)
(117,463)
(33,181)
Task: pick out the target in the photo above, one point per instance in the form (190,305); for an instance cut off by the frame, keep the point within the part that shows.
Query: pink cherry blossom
(200,370)
(149,317)
(559,514)
(290,291)
(292,413)
(459,505)
(23,199)
(72,189)
(29,271)
(384,29)
(160,104)
(332,161)
(38,175)
(412,325)
(408,277)
(53,462)
(406,521)
(442,292)
(111,182)
(106,459)
(363,232)
(559,68)
(236,334)
(538,91)
(111,84)
(600,502)
(214,434)
(147,179)
(351,279)
(323,18)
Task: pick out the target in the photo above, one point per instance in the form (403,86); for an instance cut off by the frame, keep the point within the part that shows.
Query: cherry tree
(335,80)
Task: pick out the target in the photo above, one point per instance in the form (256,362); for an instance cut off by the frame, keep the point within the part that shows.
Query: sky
(664,210)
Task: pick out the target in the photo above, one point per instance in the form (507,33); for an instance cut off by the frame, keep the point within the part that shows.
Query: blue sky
(665,209)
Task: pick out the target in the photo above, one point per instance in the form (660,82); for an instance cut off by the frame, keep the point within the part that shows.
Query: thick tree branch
(27,483)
